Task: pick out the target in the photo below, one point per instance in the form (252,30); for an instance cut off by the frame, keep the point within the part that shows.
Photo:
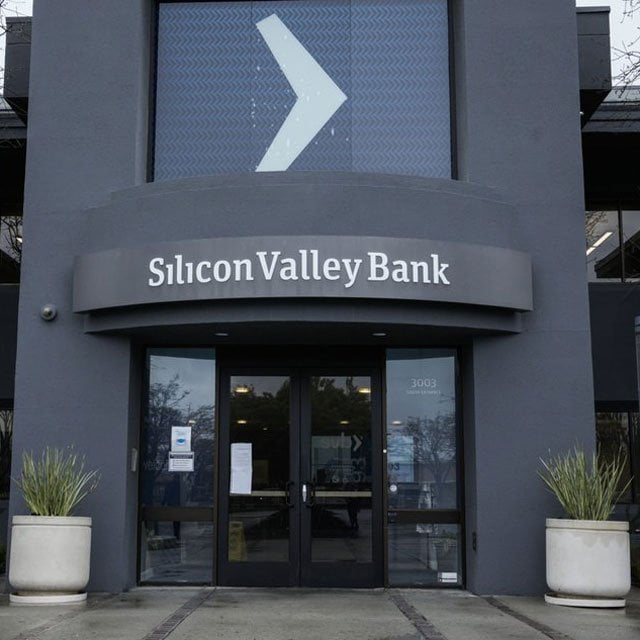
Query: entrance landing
(314,614)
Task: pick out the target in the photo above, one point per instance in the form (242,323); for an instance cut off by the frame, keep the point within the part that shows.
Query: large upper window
(334,85)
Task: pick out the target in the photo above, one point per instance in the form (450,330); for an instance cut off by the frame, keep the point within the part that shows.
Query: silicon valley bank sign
(307,265)
(303,267)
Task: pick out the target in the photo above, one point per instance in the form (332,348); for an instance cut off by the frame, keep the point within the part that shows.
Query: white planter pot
(49,559)
(588,562)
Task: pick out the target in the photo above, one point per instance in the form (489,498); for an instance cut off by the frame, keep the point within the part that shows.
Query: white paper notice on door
(241,469)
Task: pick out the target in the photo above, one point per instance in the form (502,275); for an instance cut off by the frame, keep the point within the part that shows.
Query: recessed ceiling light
(364,390)
(379,334)
(396,423)
(344,422)
(221,334)
(241,422)
(241,388)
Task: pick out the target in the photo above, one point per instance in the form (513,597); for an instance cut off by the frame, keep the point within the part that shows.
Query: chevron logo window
(359,86)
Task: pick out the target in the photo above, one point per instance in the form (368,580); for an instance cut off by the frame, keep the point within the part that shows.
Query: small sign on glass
(181,461)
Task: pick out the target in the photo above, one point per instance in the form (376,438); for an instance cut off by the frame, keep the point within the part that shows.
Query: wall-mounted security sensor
(48,312)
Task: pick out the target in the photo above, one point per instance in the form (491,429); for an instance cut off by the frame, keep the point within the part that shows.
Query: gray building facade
(510,309)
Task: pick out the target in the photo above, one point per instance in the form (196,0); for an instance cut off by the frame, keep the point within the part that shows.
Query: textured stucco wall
(519,131)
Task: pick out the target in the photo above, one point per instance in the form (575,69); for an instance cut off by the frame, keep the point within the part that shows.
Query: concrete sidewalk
(301,614)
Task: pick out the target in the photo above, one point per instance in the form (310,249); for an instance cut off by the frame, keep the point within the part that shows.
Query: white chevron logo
(318,96)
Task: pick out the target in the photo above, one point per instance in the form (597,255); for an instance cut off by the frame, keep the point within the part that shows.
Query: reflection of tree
(12,236)
(6,433)
(340,410)
(10,248)
(433,450)
(162,414)
(262,418)
(165,410)
(263,408)
(592,221)
(333,404)
(629,52)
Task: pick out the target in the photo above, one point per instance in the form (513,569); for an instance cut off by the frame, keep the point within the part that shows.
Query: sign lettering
(306,265)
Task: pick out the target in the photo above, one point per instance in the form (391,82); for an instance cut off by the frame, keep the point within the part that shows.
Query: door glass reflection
(181,393)
(259,519)
(176,551)
(424,554)
(421,430)
(341,469)
(422,459)
(176,544)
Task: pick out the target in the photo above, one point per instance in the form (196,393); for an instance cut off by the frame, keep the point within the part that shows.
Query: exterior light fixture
(48,312)
(241,388)
(344,422)
(396,423)
(364,390)
(241,422)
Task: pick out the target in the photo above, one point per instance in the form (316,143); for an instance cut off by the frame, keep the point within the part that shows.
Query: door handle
(309,494)
(287,491)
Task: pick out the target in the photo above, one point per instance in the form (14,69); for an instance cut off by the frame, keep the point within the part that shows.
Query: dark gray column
(87,137)
(518,121)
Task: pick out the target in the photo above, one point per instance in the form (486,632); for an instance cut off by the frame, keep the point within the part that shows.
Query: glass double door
(300,478)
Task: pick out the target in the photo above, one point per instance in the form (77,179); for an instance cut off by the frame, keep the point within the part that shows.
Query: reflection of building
(381,271)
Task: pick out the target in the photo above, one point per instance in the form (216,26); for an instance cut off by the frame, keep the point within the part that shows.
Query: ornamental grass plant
(55,483)
(586,486)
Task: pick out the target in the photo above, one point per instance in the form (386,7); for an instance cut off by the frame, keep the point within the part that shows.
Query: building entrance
(300,477)
(255,473)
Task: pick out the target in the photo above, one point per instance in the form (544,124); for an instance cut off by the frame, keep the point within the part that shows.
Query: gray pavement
(315,614)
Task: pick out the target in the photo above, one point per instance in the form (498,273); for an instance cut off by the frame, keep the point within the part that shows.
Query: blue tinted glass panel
(223,94)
